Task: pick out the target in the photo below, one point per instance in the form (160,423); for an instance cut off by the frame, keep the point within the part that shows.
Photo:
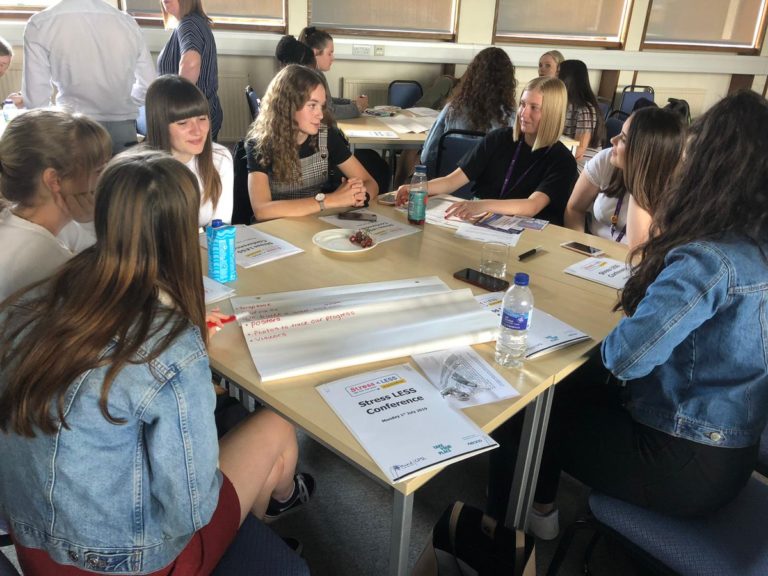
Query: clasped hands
(352,192)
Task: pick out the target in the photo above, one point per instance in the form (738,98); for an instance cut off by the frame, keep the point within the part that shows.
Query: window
(261,14)
(595,22)
(734,25)
(434,19)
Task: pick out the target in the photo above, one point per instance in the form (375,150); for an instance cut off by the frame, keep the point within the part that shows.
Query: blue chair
(631,94)
(605,107)
(452,147)
(404,93)
(141,121)
(254,102)
(732,541)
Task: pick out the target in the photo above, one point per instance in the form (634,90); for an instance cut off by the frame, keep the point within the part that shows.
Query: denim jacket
(120,498)
(695,352)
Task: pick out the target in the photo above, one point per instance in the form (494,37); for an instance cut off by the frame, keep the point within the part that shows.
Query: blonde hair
(556,55)
(553,106)
(185,7)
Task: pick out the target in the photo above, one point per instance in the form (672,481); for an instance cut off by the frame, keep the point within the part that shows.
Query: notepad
(605,271)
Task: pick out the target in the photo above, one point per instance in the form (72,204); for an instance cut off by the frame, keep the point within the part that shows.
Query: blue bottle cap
(521,279)
(216,223)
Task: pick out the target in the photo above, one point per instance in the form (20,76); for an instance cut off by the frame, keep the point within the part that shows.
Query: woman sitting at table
(642,160)
(49,162)
(321,44)
(484,100)
(583,121)
(178,123)
(549,63)
(292,154)
(139,482)
(523,170)
(681,435)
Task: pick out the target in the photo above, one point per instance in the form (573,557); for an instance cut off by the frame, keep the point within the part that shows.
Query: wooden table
(436,251)
(404,141)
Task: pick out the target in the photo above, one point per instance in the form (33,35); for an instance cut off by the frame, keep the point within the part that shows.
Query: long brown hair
(274,131)
(720,189)
(486,92)
(171,98)
(105,303)
(72,144)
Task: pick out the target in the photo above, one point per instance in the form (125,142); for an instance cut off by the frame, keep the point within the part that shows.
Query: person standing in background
(191,52)
(66,45)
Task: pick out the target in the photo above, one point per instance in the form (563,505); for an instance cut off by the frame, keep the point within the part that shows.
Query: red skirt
(199,557)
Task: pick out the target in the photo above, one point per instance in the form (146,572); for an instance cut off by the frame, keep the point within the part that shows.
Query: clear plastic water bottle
(417,196)
(517,309)
(221,252)
(9,110)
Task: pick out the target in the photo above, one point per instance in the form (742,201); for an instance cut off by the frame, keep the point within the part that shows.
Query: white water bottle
(517,309)
(9,110)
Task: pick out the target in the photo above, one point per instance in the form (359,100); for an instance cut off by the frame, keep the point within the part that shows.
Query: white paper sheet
(254,247)
(292,334)
(385,134)
(407,125)
(606,271)
(466,369)
(472,232)
(382,230)
(402,422)
(216,291)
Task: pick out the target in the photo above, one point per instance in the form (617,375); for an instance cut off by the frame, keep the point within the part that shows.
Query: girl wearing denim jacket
(111,462)
(680,435)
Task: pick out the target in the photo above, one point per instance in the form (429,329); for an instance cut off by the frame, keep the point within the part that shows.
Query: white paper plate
(337,240)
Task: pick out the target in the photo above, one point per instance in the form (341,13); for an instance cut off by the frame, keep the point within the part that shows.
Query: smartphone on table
(582,248)
(357,216)
(481,280)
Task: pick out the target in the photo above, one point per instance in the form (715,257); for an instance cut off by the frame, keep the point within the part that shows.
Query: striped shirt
(194,33)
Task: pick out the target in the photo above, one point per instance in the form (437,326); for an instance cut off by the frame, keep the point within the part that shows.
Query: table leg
(528,460)
(402,510)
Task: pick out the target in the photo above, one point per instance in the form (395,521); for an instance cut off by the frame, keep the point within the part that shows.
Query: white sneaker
(544,526)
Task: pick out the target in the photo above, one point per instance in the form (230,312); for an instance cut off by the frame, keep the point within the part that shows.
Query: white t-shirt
(599,171)
(222,160)
(31,253)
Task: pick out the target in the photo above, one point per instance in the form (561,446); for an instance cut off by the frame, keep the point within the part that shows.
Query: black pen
(529,253)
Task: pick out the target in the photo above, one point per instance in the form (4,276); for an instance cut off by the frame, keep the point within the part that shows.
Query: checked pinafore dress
(314,174)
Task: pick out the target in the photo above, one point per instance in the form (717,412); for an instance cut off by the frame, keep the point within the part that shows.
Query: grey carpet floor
(345,529)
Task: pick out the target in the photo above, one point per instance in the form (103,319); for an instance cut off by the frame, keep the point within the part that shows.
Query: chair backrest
(141,121)
(451,148)
(631,94)
(605,107)
(242,212)
(404,93)
(254,102)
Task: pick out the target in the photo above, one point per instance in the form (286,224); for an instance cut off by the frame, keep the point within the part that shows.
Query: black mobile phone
(359,216)
(582,248)
(481,280)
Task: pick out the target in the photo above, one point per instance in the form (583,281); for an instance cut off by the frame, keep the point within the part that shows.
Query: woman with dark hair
(483,101)
(291,152)
(191,52)
(583,121)
(621,187)
(321,44)
(291,51)
(178,123)
(117,430)
(681,435)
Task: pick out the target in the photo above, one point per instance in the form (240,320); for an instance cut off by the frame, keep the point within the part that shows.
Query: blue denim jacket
(695,353)
(120,498)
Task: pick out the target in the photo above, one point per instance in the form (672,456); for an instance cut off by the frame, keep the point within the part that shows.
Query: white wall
(701,78)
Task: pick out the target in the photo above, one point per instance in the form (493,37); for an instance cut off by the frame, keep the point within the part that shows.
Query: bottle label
(417,202)
(515,320)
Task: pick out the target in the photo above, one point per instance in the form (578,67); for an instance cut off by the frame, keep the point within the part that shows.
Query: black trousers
(593,437)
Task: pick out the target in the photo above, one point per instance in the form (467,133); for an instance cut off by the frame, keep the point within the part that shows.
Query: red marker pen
(223,321)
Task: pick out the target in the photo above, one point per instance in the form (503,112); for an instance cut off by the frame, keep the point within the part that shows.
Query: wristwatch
(320,197)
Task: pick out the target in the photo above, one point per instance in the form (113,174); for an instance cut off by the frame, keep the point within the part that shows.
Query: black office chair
(631,94)
(242,212)
(254,102)
(404,93)
(451,148)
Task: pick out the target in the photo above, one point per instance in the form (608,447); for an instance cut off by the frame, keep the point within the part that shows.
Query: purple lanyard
(504,189)
(615,220)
